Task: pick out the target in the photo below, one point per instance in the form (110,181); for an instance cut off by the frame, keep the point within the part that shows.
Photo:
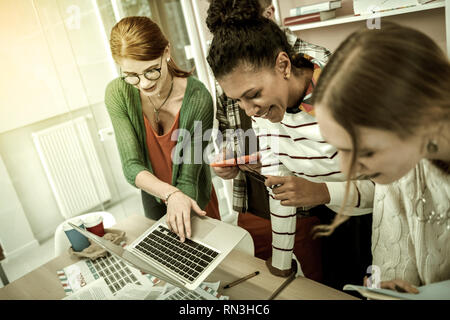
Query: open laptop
(159,252)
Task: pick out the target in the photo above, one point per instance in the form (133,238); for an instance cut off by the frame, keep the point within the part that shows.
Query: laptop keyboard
(116,273)
(188,259)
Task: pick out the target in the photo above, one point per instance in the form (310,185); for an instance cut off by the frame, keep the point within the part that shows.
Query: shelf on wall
(353,18)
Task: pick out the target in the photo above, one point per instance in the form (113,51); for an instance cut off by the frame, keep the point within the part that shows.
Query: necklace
(423,206)
(156,110)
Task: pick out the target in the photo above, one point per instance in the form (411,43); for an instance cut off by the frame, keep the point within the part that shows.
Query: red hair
(140,38)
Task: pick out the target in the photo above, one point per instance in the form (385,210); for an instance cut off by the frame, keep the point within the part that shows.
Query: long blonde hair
(395,79)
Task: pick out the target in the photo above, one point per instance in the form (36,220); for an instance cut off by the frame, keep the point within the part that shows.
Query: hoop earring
(432,146)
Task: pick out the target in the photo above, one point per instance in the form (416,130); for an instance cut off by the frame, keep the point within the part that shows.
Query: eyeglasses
(152,75)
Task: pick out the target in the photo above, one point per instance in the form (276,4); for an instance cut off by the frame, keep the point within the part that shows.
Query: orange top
(160,150)
(160,154)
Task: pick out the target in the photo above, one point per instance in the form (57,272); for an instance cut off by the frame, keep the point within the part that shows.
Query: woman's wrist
(169,195)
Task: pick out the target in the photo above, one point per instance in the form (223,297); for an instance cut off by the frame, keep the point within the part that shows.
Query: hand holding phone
(233,162)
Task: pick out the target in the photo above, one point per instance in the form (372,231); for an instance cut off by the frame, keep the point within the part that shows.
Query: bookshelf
(353,18)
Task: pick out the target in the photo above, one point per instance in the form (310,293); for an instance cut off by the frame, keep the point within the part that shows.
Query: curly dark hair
(243,35)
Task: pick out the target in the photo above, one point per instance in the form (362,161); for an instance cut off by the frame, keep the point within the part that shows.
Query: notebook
(433,291)
(159,252)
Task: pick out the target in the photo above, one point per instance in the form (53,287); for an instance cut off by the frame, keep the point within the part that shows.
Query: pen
(283,285)
(232,284)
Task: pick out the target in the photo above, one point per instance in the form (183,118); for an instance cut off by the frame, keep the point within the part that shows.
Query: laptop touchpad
(201,227)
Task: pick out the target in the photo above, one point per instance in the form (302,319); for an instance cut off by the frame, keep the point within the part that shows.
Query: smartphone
(253,158)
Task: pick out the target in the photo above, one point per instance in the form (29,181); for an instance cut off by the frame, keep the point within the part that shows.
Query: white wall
(28,176)
(15,231)
(203,6)
(31,79)
(56,59)
(57,64)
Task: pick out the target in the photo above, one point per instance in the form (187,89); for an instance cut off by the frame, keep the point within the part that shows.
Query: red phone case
(232,162)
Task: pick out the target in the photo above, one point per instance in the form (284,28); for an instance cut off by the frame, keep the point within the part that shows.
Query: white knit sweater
(404,247)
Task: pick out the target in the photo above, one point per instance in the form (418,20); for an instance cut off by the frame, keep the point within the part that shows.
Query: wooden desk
(43,283)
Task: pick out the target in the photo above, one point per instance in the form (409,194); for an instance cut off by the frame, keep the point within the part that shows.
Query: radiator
(72,166)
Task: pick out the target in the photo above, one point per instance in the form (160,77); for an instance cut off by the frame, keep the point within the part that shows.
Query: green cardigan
(125,110)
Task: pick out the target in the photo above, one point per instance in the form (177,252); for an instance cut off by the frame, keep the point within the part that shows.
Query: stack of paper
(95,290)
(109,278)
(206,291)
(99,290)
(114,271)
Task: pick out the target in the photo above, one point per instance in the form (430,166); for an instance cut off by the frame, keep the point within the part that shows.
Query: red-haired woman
(151,105)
